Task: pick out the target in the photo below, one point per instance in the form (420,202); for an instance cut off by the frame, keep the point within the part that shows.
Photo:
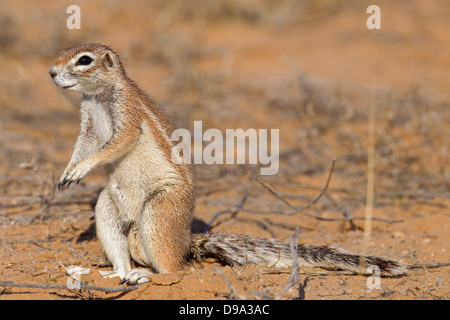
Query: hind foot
(136,276)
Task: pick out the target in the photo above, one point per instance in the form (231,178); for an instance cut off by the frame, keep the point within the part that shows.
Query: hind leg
(165,229)
(109,231)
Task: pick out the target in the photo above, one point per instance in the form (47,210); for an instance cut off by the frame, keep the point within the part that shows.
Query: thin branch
(61,286)
(233,211)
(294,277)
(43,201)
(395,194)
(347,213)
(428,265)
(300,210)
(239,206)
(318,217)
(233,292)
(262,224)
(313,272)
(340,273)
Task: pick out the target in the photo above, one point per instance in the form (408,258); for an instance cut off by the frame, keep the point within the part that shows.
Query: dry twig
(429,265)
(300,210)
(233,211)
(295,210)
(61,286)
(294,278)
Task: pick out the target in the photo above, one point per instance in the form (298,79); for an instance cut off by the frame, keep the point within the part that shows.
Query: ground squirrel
(146,210)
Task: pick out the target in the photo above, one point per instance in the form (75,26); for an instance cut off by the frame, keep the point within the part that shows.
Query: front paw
(76,173)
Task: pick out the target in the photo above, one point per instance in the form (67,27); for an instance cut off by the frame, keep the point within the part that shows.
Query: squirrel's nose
(52,72)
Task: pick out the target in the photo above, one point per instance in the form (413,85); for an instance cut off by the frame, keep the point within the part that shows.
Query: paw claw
(74,173)
(136,276)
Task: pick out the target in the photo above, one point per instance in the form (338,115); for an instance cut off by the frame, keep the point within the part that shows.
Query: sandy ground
(311,69)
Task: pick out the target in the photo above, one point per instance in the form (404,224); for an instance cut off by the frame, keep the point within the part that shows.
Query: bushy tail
(241,250)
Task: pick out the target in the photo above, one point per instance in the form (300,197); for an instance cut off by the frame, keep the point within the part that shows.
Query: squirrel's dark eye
(84,61)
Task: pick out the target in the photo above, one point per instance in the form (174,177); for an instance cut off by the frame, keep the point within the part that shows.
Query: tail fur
(241,250)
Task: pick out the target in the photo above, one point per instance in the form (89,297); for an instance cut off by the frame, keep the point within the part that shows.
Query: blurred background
(310,68)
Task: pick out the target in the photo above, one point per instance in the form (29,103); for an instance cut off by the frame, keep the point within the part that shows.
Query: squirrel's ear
(108,61)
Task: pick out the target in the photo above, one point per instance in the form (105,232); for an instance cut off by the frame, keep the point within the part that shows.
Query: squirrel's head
(89,68)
